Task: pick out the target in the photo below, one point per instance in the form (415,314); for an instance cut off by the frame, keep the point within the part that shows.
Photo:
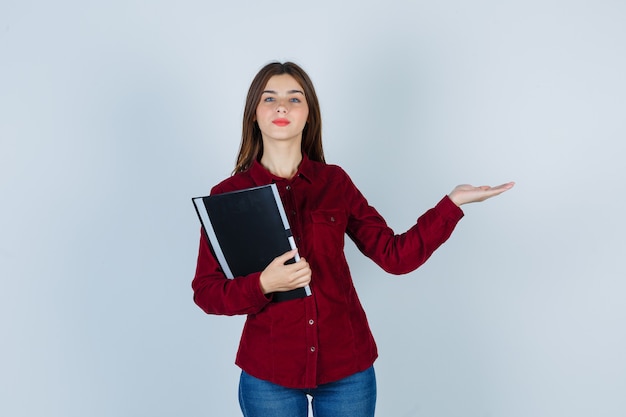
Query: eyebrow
(288,92)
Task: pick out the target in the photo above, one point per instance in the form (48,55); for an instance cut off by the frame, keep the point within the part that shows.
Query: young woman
(321,345)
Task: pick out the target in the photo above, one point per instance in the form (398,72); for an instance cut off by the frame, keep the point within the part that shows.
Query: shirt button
(311,322)
(288,187)
(312,348)
(332,219)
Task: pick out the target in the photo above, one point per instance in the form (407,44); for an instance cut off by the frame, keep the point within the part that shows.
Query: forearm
(403,253)
(216,294)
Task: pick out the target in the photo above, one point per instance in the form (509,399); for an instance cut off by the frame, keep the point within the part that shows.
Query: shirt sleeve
(214,293)
(398,253)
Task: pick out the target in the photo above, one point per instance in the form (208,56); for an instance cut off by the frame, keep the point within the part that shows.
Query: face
(283,111)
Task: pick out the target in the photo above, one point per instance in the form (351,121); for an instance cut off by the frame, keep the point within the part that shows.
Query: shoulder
(329,172)
(235,182)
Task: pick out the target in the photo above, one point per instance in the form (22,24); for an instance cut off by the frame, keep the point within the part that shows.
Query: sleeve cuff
(254,290)
(446,208)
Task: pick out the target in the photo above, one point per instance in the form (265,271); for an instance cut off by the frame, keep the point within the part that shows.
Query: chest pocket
(329,229)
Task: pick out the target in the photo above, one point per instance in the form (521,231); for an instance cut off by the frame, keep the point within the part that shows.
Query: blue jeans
(353,396)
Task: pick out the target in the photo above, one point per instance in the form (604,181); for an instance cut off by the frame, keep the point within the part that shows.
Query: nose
(282,107)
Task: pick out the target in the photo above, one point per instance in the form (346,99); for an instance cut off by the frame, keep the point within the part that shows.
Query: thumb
(286,256)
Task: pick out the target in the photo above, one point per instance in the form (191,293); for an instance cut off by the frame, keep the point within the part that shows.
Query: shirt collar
(261,176)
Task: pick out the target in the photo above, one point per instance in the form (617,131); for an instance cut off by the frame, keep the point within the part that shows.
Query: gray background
(113,115)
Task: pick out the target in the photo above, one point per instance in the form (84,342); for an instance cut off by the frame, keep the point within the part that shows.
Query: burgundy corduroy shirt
(322,338)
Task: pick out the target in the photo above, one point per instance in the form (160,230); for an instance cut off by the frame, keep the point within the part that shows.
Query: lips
(281,122)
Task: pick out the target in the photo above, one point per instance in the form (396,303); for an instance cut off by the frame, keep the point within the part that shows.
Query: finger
(298,267)
(286,256)
(506,186)
(302,277)
(305,281)
(494,191)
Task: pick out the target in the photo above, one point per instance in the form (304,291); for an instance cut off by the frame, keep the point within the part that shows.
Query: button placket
(288,196)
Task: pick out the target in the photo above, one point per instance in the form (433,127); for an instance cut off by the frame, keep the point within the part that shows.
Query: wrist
(263,285)
(455,199)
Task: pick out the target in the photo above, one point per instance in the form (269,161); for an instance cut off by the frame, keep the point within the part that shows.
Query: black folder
(247,229)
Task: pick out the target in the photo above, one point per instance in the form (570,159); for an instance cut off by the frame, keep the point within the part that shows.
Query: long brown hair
(251,147)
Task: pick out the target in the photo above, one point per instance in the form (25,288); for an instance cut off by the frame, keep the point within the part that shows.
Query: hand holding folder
(247,230)
(278,276)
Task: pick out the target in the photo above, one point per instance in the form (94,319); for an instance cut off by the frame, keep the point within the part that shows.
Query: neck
(282,160)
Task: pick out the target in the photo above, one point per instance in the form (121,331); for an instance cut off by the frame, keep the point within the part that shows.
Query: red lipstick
(281,122)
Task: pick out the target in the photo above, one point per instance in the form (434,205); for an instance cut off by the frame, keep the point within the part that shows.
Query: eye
(269,99)
(295,100)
